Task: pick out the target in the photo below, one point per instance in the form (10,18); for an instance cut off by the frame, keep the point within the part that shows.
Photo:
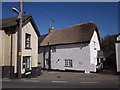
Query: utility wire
(73,17)
(62,12)
(82,19)
(50,17)
(106,30)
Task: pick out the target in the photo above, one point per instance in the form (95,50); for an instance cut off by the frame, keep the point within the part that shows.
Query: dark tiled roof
(7,22)
(13,21)
(81,33)
(41,38)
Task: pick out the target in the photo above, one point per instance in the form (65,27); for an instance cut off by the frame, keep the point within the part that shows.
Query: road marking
(53,72)
(59,81)
(34,81)
(76,73)
(6,80)
(90,82)
(30,80)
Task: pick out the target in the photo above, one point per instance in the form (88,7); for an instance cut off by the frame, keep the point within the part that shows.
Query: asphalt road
(65,80)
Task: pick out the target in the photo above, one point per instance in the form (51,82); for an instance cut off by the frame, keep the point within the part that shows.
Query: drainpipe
(44,58)
(11,71)
(49,62)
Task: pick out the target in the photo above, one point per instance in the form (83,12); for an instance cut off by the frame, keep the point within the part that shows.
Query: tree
(108,47)
(108,43)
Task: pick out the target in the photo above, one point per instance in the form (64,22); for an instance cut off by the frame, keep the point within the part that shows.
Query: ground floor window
(68,63)
(26,62)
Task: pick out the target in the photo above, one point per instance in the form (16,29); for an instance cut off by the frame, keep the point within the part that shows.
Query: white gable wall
(14,52)
(1,47)
(118,38)
(33,52)
(79,53)
(5,47)
(94,47)
(83,55)
(118,54)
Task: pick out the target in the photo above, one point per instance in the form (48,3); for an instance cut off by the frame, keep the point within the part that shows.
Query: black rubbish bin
(34,71)
(39,70)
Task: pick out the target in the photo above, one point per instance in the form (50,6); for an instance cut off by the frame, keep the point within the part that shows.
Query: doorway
(47,58)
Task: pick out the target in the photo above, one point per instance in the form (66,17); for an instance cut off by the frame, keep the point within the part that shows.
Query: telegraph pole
(19,41)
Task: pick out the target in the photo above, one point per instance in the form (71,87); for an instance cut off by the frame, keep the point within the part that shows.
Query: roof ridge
(74,26)
(81,24)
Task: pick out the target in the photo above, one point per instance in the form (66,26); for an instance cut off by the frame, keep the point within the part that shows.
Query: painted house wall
(41,56)
(118,53)
(5,47)
(14,52)
(1,47)
(94,47)
(79,53)
(118,38)
(84,56)
(33,52)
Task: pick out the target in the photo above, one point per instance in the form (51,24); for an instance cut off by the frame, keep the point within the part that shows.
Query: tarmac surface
(57,79)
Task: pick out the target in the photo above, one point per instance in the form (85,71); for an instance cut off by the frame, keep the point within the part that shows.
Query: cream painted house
(118,53)
(72,48)
(8,47)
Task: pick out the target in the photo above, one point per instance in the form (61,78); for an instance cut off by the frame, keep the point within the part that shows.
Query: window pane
(23,66)
(27,41)
(26,62)
(68,63)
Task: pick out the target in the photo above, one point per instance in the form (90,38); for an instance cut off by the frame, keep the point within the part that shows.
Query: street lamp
(19,46)
(14,9)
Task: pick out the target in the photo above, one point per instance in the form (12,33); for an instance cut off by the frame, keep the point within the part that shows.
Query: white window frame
(27,41)
(26,63)
(68,63)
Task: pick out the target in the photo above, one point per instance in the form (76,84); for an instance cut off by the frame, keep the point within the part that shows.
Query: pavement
(57,79)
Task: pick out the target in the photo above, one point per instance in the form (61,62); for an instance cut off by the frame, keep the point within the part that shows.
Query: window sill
(29,48)
(68,66)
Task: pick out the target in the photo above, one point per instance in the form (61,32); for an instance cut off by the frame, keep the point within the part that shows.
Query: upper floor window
(95,45)
(27,41)
(53,48)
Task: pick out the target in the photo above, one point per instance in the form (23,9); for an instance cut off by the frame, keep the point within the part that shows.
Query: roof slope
(7,22)
(81,33)
(13,21)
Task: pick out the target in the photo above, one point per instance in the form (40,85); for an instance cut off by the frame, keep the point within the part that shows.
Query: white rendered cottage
(71,48)
(118,53)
